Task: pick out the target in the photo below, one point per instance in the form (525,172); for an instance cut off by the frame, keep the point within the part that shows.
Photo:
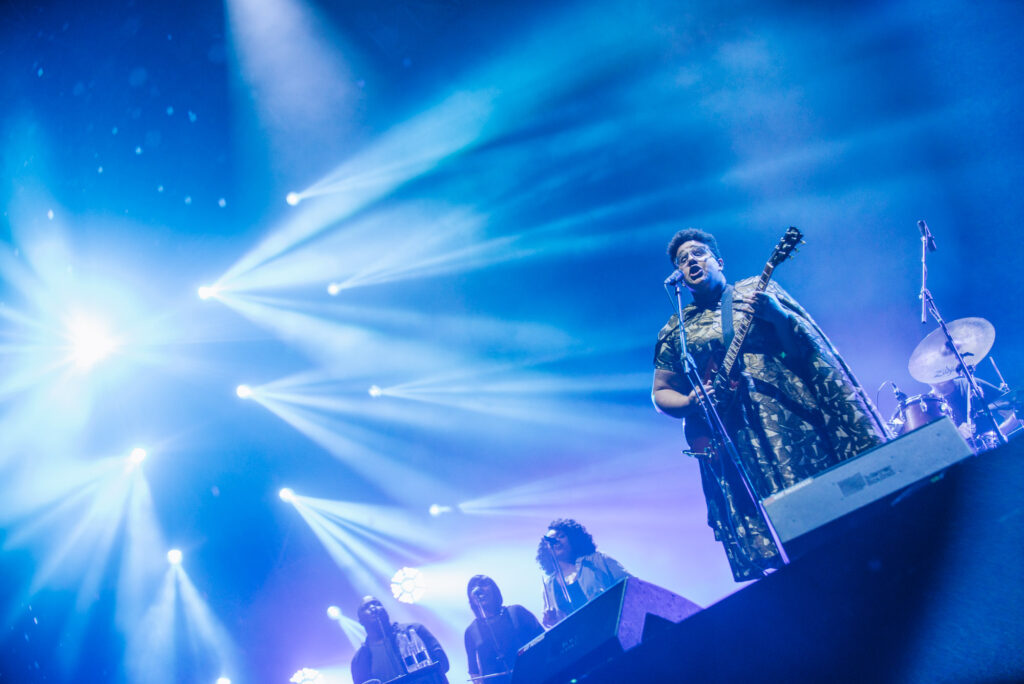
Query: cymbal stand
(964,370)
(721,443)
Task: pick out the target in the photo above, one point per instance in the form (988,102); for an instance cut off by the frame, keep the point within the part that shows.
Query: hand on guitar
(691,398)
(766,307)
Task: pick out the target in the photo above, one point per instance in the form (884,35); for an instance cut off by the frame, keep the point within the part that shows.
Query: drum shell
(921,409)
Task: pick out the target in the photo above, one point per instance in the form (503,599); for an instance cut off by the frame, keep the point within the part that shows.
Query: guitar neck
(744,325)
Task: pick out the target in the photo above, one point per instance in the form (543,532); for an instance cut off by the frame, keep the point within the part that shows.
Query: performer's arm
(528,627)
(551,613)
(360,666)
(471,656)
(671,395)
(437,654)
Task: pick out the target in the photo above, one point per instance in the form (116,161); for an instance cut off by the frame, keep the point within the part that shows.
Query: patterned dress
(792,418)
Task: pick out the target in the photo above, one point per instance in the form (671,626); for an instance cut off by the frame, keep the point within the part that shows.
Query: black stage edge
(922,587)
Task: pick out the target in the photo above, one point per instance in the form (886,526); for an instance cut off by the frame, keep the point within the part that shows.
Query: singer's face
(487,597)
(561,546)
(371,611)
(698,264)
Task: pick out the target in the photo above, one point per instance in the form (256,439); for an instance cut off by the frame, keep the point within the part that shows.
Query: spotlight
(408,585)
(437,509)
(375,391)
(307,675)
(287,494)
(223,680)
(207,291)
(243,391)
(293,198)
(333,289)
(334,612)
(90,341)
(174,557)
(138,455)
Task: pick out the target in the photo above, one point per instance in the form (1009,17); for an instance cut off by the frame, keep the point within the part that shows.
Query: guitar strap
(728,332)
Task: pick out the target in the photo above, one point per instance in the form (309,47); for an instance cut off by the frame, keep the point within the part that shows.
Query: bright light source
(138,455)
(438,509)
(408,585)
(223,680)
(286,494)
(174,557)
(292,198)
(90,341)
(334,612)
(207,291)
(306,675)
(243,391)
(333,289)
(375,391)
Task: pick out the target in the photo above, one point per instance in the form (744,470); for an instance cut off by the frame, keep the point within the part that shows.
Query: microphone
(550,535)
(927,235)
(901,396)
(676,276)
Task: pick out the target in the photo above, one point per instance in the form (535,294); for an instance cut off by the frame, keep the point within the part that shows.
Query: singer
(497,633)
(393,651)
(575,571)
(797,410)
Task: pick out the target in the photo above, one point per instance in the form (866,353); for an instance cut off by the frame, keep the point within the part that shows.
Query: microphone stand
(559,575)
(498,651)
(390,643)
(928,306)
(720,440)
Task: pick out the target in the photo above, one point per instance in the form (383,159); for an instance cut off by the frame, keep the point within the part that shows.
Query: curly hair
(688,234)
(474,582)
(581,543)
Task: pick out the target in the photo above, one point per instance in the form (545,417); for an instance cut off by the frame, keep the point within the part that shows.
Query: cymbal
(932,361)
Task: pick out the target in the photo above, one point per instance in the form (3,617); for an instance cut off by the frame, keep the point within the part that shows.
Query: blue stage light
(287,494)
(174,557)
(293,198)
(243,391)
(333,612)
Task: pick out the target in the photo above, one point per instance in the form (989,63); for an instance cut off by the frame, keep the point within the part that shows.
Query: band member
(394,650)
(797,411)
(955,393)
(497,633)
(575,571)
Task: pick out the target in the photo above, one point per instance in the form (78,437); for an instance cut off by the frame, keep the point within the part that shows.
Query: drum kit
(934,362)
(947,359)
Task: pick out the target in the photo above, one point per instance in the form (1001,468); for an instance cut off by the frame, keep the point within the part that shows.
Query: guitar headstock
(786,246)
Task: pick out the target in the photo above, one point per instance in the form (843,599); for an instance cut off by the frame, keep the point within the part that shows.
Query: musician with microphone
(574,570)
(494,638)
(405,653)
(787,401)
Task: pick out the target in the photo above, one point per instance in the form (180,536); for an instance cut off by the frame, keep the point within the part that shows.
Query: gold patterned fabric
(792,418)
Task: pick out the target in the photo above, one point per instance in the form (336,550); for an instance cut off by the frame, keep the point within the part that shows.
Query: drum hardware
(954,349)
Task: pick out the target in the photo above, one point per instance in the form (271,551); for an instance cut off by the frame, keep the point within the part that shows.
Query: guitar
(725,377)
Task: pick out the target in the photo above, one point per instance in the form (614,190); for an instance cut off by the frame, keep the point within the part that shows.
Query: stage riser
(927,590)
